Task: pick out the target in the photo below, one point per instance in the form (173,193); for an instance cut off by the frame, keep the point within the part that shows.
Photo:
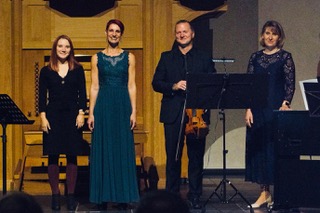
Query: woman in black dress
(62,102)
(279,65)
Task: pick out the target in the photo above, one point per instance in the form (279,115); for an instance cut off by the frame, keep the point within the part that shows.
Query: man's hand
(181,85)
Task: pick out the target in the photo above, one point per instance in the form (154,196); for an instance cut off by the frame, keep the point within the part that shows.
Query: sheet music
(303,90)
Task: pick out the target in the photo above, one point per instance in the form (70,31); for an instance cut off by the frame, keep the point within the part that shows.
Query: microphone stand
(223,183)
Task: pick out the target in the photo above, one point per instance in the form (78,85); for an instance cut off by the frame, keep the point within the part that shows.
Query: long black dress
(259,143)
(61,99)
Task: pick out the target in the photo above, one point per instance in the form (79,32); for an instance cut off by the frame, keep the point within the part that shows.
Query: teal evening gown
(112,159)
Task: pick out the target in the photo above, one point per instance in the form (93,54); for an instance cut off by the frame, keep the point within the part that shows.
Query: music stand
(312,91)
(226,91)
(9,114)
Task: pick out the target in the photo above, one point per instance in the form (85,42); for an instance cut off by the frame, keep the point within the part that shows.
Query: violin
(196,125)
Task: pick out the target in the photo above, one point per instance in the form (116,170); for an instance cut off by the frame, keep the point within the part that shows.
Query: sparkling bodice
(113,70)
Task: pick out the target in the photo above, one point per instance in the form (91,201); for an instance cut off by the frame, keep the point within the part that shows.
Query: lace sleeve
(318,69)
(250,68)
(289,75)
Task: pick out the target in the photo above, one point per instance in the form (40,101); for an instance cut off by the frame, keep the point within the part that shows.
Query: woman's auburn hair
(53,61)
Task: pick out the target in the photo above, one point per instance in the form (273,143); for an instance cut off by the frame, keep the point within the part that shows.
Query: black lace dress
(259,142)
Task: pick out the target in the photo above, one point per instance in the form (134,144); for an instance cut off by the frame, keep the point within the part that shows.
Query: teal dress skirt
(113,176)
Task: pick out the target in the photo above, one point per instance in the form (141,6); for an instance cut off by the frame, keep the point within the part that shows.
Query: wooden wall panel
(36,25)
(85,32)
(131,16)
(41,25)
(31,59)
(5,43)
(6,81)
(160,39)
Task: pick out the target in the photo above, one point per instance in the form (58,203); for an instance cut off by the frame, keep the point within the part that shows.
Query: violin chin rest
(198,133)
(202,132)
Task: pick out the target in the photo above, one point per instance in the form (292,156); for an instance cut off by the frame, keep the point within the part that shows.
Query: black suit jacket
(169,71)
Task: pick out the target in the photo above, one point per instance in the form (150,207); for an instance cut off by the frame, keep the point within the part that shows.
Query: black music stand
(226,91)
(312,91)
(9,114)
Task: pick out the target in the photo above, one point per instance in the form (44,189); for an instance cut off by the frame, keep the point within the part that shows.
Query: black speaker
(202,4)
(81,8)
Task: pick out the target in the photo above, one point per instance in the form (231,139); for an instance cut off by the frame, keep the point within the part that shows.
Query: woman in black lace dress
(279,66)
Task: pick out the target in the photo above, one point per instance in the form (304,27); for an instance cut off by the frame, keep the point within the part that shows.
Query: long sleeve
(250,69)
(161,83)
(82,98)
(318,72)
(289,73)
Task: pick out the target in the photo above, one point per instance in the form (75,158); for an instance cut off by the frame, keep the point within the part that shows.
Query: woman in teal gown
(112,117)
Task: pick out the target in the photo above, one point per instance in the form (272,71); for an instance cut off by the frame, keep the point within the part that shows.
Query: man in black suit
(170,80)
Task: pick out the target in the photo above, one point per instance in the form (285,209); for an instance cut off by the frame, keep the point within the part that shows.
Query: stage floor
(249,191)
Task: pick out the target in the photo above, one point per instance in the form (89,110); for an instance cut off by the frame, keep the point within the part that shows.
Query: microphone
(223,60)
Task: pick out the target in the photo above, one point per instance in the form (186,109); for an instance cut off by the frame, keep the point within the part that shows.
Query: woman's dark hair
(275,28)
(53,62)
(117,22)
